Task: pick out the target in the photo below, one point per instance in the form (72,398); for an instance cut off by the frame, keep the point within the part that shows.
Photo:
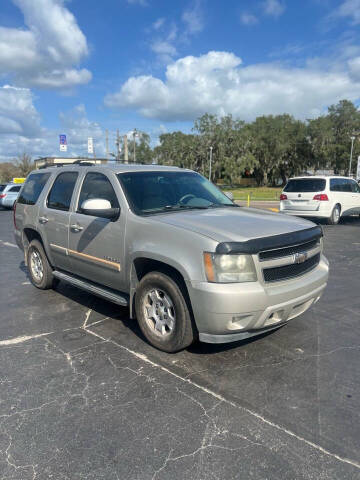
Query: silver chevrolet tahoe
(164,241)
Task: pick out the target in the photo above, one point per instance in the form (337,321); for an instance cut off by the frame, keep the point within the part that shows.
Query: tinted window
(14,189)
(354,187)
(341,185)
(2,187)
(97,185)
(306,185)
(61,192)
(148,192)
(32,188)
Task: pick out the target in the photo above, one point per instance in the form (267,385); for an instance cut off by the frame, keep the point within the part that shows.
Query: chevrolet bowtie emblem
(300,257)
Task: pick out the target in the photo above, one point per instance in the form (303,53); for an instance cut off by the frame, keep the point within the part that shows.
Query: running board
(103,292)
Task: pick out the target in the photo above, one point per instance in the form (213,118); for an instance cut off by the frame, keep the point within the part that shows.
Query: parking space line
(8,244)
(25,338)
(220,397)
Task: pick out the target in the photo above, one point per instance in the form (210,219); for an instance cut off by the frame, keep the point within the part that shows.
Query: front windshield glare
(155,191)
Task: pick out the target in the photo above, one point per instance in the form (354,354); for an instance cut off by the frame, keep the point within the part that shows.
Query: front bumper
(230,312)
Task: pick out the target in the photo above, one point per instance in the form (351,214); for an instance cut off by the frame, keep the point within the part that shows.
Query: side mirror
(230,195)
(99,207)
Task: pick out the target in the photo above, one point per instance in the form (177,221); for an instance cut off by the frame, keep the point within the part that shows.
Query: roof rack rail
(65,164)
(84,163)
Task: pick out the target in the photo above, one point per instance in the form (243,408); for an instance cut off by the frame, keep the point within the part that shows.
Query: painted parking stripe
(8,244)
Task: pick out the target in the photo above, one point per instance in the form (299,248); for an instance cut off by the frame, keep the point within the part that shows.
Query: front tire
(39,267)
(163,313)
(335,216)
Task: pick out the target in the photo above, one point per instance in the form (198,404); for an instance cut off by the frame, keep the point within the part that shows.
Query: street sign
(90,145)
(358,169)
(63,143)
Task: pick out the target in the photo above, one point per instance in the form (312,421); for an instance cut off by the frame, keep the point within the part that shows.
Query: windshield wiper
(221,205)
(186,207)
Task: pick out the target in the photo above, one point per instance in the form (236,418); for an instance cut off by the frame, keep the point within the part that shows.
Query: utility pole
(126,153)
(107,143)
(117,143)
(351,153)
(211,149)
(134,134)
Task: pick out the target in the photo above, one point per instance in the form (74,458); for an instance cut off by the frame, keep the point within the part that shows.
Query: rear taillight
(2,195)
(14,211)
(283,197)
(322,197)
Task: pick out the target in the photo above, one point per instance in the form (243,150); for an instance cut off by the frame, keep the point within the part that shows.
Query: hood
(234,224)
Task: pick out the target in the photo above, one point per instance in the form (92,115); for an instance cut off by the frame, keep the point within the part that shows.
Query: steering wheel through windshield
(188,196)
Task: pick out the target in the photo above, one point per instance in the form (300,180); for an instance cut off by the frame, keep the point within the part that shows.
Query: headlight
(229,268)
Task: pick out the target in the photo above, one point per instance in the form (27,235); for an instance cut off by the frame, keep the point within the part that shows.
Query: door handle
(76,228)
(43,220)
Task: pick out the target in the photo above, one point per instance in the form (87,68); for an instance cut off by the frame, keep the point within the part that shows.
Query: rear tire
(39,267)
(163,313)
(335,216)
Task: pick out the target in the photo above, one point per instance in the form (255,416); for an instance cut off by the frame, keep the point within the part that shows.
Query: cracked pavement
(82,396)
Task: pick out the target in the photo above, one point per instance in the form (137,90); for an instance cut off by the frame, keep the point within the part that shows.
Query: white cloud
(78,128)
(193,18)
(164,45)
(45,55)
(168,39)
(348,8)
(218,83)
(17,112)
(354,67)
(158,23)
(274,8)
(21,130)
(248,19)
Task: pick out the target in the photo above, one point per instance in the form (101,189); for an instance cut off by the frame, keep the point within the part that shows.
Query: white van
(328,197)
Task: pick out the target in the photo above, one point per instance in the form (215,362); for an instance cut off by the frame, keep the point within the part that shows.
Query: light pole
(351,153)
(210,161)
(135,135)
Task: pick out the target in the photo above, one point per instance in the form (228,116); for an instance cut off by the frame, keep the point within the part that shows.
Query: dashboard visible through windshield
(155,192)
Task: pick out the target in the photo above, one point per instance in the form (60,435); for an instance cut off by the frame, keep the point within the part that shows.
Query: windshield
(154,192)
(306,185)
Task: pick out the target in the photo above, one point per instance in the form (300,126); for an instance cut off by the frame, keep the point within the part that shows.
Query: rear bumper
(230,312)
(307,213)
(322,210)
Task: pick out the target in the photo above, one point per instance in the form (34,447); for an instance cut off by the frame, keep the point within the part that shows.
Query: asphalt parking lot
(82,396)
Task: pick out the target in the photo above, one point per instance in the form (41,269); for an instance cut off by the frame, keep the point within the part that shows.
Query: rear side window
(306,185)
(61,192)
(14,189)
(33,187)
(341,185)
(97,185)
(2,187)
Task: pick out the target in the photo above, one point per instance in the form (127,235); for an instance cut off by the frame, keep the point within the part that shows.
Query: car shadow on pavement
(121,314)
(349,221)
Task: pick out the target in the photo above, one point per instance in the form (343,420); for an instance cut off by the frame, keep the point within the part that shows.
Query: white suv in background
(9,194)
(328,197)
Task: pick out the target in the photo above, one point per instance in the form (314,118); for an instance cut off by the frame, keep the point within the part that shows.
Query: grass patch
(256,193)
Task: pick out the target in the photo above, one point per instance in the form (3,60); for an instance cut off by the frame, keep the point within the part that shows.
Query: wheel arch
(142,265)
(28,235)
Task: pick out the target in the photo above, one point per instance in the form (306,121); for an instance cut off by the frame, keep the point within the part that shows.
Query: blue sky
(80,67)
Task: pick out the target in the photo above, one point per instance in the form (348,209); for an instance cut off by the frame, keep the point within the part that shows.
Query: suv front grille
(287,251)
(276,274)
